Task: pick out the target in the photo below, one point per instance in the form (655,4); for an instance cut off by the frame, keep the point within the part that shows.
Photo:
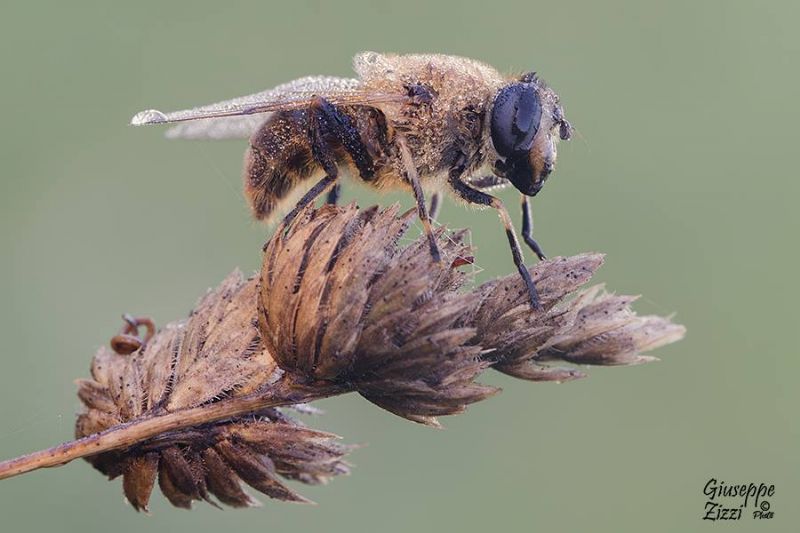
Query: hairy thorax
(451,97)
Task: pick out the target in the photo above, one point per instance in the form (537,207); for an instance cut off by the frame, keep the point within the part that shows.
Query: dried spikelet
(600,329)
(594,328)
(215,354)
(340,301)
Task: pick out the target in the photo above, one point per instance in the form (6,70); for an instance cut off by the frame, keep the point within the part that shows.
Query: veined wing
(217,120)
(243,126)
(216,129)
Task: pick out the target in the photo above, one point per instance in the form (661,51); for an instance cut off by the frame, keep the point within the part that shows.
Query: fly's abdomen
(278,159)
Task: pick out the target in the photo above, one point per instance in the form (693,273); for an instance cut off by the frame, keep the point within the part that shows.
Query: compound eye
(515,120)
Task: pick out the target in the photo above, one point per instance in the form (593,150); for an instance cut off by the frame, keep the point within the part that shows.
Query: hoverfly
(413,122)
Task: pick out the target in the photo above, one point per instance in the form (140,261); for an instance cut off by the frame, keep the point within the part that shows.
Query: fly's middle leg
(411,175)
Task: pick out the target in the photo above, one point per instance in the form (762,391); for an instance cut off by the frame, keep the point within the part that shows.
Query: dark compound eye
(515,118)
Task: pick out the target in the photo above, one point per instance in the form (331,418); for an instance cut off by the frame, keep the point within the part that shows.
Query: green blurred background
(681,172)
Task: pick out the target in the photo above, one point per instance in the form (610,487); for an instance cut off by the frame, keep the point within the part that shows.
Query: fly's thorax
(448,98)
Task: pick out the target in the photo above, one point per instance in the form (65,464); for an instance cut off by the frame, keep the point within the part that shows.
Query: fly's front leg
(527,229)
(475,196)
(333,195)
(436,204)
(413,179)
(328,124)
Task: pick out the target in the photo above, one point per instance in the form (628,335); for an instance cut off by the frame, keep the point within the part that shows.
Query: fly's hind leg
(313,193)
(475,196)
(527,229)
(329,126)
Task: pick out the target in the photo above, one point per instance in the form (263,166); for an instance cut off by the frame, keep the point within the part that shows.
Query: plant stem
(284,392)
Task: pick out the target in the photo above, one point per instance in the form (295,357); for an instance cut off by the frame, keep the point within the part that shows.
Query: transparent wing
(242,126)
(237,127)
(293,95)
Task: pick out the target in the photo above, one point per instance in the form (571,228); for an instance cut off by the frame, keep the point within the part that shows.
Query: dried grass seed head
(340,306)
(216,354)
